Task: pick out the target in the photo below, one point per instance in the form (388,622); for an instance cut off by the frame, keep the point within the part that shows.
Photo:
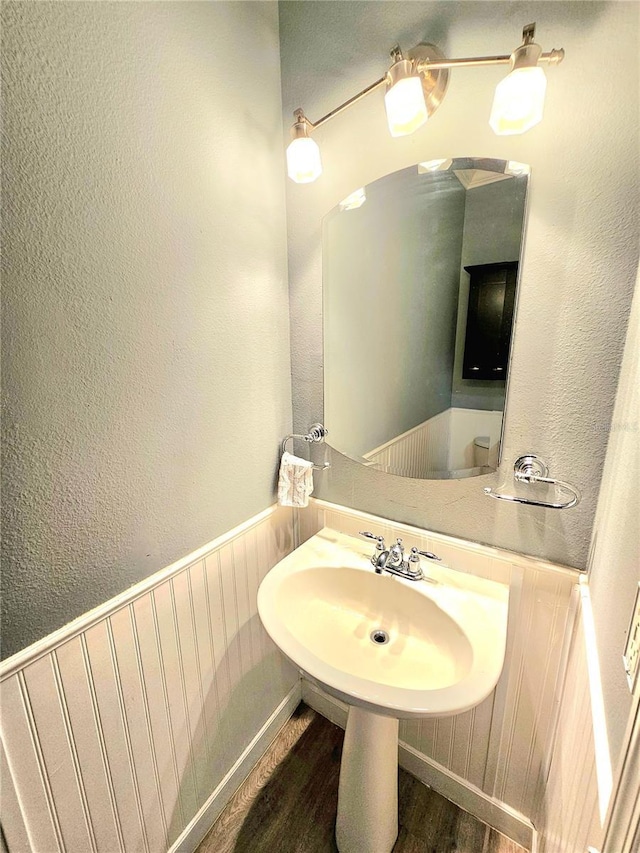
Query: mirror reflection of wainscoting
(453,444)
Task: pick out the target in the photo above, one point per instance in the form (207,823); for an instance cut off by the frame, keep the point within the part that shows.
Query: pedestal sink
(388,647)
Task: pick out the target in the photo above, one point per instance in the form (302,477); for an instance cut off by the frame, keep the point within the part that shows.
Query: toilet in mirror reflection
(420,284)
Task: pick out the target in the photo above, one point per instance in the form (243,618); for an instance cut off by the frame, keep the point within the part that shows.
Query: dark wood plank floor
(288,803)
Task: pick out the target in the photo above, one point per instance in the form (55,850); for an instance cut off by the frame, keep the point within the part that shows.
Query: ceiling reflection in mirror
(420,274)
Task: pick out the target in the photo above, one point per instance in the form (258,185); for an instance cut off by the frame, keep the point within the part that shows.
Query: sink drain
(379,637)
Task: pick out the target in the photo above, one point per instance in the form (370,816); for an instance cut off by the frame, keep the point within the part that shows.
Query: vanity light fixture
(416,85)
(303,154)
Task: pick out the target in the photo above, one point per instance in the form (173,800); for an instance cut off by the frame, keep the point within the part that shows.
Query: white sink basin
(443,650)
(323,603)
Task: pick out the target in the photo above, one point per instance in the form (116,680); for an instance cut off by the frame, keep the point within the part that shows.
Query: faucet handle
(428,554)
(379,539)
(413,564)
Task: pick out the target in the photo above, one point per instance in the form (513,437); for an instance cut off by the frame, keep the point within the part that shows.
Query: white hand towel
(295,482)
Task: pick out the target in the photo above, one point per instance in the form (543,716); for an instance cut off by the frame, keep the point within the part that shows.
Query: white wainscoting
(441,443)
(569,817)
(129,729)
(500,749)
(417,452)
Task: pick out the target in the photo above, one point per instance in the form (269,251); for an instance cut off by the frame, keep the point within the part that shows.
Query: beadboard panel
(59,753)
(11,808)
(503,746)
(418,451)
(117,730)
(77,681)
(26,775)
(441,443)
(444,442)
(568,813)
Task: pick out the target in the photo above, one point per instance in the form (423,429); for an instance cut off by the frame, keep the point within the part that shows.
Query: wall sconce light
(519,98)
(416,86)
(404,99)
(303,154)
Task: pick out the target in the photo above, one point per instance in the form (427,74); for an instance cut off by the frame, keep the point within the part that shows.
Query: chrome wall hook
(532,469)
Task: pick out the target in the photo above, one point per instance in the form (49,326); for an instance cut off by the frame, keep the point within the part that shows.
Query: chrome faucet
(392,559)
(379,561)
(396,555)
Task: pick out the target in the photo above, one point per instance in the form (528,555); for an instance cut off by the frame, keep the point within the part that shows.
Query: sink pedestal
(368,792)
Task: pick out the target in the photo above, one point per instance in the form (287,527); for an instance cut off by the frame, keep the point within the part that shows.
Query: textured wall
(614,565)
(581,243)
(145,325)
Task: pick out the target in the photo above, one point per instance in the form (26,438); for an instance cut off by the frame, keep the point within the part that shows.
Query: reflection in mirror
(419,279)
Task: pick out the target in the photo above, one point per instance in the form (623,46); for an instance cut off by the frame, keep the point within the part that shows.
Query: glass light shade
(355,200)
(519,101)
(406,109)
(303,160)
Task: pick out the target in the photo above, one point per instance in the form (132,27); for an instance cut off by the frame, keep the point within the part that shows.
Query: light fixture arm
(528,48)
(424,66)
(553,57)
(395,53)
(315,124)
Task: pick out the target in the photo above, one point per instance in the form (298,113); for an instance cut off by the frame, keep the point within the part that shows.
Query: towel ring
(531,469)
(317,435)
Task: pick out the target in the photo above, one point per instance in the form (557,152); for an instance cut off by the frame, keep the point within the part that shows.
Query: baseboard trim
(204,819)
(331,709)
(487,809)
(465,795)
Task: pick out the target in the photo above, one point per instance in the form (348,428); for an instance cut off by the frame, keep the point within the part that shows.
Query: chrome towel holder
(316,434)
(531,469)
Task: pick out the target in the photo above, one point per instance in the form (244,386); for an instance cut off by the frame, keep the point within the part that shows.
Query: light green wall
(146,375)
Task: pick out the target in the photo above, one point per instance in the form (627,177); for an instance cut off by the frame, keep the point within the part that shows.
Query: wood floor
(288,803)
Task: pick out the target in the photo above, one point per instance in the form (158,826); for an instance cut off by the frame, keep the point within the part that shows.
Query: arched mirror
(420,280)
